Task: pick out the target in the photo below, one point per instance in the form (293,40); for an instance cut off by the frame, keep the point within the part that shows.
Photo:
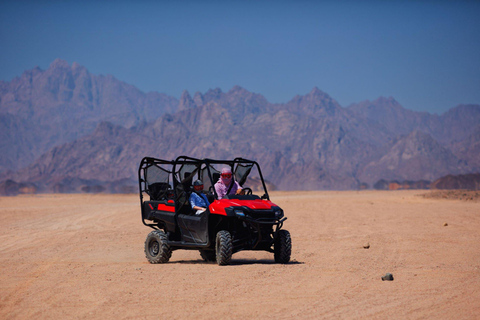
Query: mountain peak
(316,102)
(316,92)
(185,94)
(29,73)
(465,109)
(76,66)
(78,69)
(385,99)
(318,96)
(238,89)
(186,101)
(212,94)
(198,99)
(216,91)
(59,64)
(388,102)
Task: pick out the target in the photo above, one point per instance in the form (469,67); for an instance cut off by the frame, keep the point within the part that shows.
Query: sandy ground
(466,195)
(81,256)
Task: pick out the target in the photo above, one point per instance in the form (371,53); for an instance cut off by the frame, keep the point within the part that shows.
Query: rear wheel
(282,247)
(223,247)
(208,255)
(156,248)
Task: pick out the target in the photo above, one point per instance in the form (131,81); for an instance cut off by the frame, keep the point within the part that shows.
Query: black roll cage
(180,162)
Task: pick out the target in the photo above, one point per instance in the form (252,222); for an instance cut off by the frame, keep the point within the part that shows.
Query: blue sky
(426,54)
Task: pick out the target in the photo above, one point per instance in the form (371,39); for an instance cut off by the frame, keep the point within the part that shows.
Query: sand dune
(81,256)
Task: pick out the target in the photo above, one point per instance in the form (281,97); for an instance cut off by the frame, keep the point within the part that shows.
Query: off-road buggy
(229,225)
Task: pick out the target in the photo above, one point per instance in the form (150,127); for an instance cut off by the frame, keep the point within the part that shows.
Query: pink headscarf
(224,183)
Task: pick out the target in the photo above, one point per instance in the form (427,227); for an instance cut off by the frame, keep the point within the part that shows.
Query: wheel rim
(154,248)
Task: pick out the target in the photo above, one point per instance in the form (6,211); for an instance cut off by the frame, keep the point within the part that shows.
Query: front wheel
(223,247)
(156,248)
(282,247)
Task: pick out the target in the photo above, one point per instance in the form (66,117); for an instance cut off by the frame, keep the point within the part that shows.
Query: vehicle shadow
(261,261)
(237,262)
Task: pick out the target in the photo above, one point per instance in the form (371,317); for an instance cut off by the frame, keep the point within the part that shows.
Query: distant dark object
(61,188)
(404,185)
(13,188)
(93,189)
(363,186)
(463,181)
(27,188)
(125,189)
(421,184)
(387,277)
(9,188)
(381,185)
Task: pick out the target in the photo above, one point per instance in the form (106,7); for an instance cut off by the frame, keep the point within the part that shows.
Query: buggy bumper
(261,221)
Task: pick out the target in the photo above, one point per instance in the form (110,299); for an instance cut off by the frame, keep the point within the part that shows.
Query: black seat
(187,182)
(215,177)
(184,189)
(158,191)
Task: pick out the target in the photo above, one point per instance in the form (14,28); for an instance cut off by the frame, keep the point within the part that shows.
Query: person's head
(226,175)
(198,186)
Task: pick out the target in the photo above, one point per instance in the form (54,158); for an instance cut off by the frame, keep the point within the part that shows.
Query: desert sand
(81,257)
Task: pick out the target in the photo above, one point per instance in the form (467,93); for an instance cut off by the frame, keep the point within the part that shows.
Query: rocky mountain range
(45,108)
(63,129)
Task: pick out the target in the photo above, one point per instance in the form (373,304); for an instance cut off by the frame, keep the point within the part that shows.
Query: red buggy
(229,225)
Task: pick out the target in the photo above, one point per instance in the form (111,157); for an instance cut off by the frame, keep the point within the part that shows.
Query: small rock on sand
(445,224)
(366,245)
(387,277)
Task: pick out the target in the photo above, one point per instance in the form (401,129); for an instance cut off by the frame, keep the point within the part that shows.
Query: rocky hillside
(414,156)
(463,181)
(45,108)
(310,142)
(454,125)
(469,148)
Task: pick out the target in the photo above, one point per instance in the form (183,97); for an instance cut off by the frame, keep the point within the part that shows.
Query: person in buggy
(226,184)
(198,200)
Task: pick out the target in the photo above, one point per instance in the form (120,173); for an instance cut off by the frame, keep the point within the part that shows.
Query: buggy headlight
(239,213)
(279,214)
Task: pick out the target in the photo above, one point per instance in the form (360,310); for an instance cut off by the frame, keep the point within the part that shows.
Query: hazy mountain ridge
(416,156)
(65,102)
(454,125)
(469,148)
(310,142)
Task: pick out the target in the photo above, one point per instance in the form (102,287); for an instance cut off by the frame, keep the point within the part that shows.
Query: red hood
(218,206)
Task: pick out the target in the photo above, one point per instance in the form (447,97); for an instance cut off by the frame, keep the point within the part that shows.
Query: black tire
(282,247)
(223,247)
(208,255)
(156,248)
